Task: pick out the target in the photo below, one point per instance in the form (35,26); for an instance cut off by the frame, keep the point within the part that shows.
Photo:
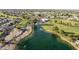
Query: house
(74,17)
(43,20)
(14,33)
(4,20)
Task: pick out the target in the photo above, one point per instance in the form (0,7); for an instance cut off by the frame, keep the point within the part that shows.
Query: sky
(39,4)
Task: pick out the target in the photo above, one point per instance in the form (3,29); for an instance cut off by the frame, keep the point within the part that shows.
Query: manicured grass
(9,16)
(23,23)
(72,29)
(1,33)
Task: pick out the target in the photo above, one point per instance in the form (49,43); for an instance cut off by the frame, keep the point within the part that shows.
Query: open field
(73,29)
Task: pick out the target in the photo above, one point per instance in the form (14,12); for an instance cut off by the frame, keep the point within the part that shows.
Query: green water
(41,40)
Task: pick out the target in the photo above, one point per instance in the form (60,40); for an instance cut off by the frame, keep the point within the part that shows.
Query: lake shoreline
(55,35)
(26,34)
(64,39)
(18,39)
(61,37)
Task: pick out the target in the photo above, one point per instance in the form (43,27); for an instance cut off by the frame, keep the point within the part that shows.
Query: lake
(41,40)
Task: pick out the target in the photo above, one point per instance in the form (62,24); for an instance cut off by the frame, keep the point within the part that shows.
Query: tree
(55,21)
(55,28)
(62,31)
(35,20)
(24,16)
(60,22)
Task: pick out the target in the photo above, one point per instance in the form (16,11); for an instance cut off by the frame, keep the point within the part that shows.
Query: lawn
(23,23)
(9,16)
(62,27)
(1,33)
